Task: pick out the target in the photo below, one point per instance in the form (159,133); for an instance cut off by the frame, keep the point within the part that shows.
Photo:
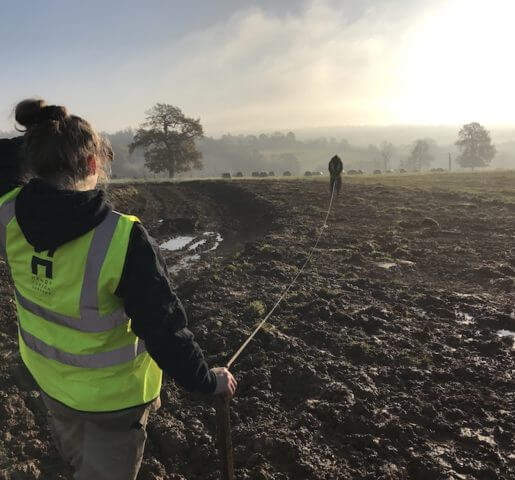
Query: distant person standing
(335,170)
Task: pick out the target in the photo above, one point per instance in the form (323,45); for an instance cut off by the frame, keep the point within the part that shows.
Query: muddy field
(391,358)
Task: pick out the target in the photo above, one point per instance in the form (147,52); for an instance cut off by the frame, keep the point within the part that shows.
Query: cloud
(309,63)
(330,64)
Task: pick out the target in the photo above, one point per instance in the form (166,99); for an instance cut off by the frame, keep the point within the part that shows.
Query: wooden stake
(223,427)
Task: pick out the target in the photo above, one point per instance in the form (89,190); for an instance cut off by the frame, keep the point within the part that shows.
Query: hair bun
(53,112)
(30,112)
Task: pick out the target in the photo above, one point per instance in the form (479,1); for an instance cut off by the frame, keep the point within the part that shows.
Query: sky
(262,65)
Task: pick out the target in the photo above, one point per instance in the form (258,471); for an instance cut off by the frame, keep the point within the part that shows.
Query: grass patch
(496,185)
(266,249)
(255,310)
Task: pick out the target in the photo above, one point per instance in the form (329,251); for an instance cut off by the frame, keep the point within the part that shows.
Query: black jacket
(49,217)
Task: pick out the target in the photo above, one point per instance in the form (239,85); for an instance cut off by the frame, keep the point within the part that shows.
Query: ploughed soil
(385,361)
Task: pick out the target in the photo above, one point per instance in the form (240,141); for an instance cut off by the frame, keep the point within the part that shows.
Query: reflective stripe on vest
(94,360)
(6,215)
(90,320)
(89,311)
(94,325)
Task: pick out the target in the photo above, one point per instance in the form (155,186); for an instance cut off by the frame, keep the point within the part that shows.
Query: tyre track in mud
(383,363)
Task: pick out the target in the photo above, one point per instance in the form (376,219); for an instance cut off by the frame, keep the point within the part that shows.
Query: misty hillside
(310,149)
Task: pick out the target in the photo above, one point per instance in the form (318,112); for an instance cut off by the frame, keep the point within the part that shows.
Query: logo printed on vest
(39,262)
(39,284)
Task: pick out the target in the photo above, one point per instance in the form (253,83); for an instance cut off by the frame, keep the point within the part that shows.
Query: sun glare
(459,65)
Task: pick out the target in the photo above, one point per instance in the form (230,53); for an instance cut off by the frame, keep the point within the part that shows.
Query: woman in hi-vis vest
(98,320)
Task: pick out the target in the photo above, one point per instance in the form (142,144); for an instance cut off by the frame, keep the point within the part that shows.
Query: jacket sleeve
(10,164)
(158,317)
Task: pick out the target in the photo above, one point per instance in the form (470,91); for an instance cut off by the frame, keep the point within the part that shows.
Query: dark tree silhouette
(168,138)
(475,145)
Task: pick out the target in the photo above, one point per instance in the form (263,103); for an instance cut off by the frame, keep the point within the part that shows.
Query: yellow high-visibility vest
(74,336)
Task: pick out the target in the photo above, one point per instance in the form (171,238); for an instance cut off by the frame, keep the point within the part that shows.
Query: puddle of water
(449,349)
(177,243)
(464,318)
(218,241)
(506,333)
(386,265)
(406,262)
(420,313)
(197,244)
(184,263)
(464,295)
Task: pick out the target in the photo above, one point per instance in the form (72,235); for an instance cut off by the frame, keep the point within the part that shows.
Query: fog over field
(310,149)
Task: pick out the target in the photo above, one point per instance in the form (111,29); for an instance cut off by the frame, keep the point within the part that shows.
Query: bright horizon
(264,65)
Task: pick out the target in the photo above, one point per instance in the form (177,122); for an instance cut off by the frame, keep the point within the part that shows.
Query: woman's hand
(225,382)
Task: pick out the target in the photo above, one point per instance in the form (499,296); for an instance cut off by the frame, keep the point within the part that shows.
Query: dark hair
(57,145)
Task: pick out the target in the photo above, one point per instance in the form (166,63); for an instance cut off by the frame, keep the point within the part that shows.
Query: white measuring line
(268,315)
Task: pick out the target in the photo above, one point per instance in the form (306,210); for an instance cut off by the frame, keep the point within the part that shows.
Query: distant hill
(398,134)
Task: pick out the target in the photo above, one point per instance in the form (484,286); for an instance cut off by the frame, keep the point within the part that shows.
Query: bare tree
(387,149)
(420,155)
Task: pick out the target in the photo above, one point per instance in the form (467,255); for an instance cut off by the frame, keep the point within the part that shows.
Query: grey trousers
(100,446)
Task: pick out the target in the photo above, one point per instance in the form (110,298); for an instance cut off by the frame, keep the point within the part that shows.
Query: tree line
(173,143)
(168,143)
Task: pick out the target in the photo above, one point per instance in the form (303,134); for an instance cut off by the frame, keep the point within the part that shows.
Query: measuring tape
(281,298)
